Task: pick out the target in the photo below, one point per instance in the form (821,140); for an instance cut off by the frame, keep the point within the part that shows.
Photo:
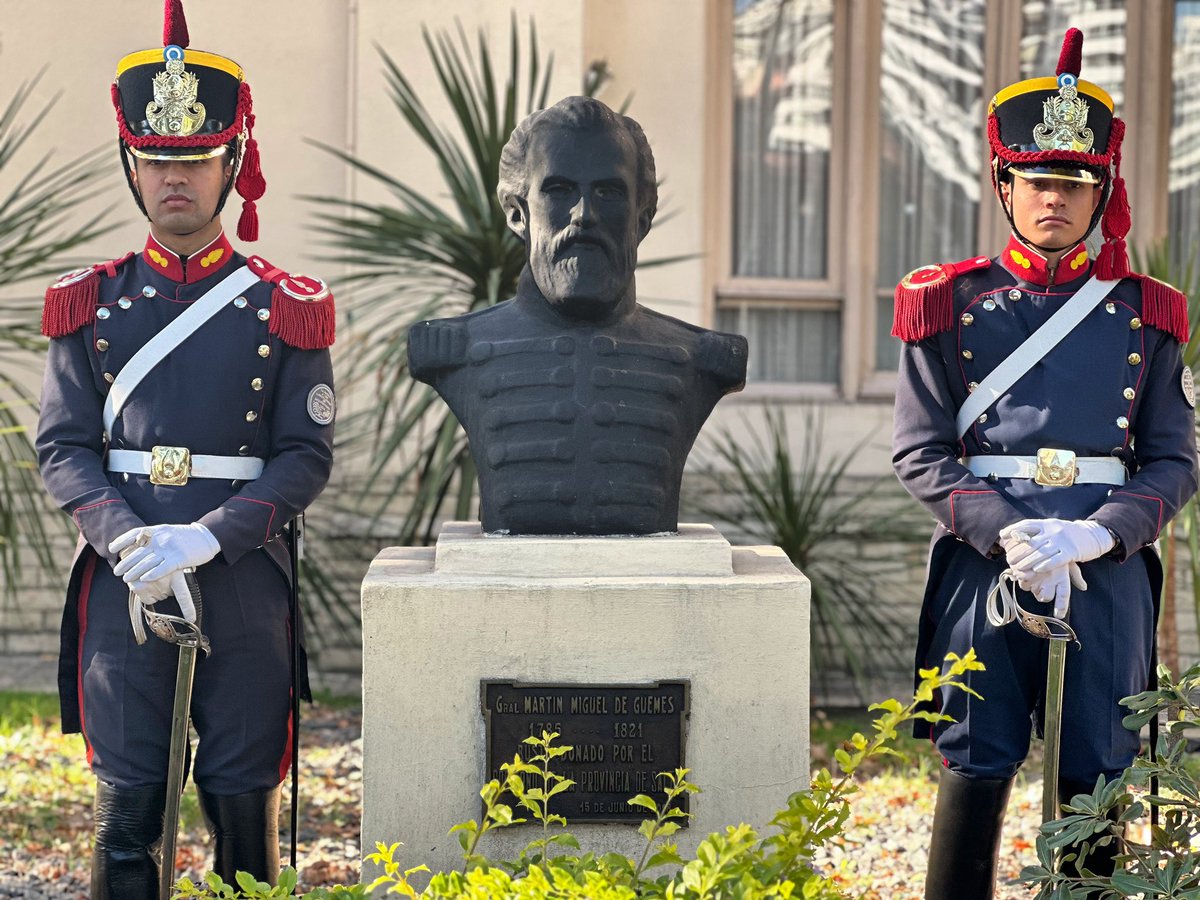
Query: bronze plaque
(622,735)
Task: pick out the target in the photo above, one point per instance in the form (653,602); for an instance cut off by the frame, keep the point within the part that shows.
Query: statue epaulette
(1164,307)
(925,299)
(71,300)
(302,308)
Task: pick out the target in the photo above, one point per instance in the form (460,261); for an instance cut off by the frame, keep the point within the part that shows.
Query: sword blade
(1055,668)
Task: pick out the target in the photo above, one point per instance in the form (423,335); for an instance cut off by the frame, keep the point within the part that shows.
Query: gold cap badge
(175,111)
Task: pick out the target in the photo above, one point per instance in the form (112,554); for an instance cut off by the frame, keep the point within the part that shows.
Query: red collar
(201,264)
(1030,265)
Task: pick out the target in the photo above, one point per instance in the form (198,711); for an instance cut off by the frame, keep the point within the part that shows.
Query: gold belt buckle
(170,465)
(1055,468)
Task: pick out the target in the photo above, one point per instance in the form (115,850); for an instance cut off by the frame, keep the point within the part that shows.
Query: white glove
(167,549)
(175,583)
(1038,545)
(1054,586)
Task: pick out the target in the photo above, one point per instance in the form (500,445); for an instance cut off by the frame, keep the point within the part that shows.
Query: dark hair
(580,113)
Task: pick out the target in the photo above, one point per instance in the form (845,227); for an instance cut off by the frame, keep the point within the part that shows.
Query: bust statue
(580,404)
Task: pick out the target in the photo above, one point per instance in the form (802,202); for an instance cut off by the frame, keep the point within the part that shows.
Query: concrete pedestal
(732,621)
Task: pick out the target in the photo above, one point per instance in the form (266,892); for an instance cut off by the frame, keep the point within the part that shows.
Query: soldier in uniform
(580,404)
(193,456)
(1065,478)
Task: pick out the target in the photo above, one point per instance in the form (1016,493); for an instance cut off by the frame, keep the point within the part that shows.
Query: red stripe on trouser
(285,761)
(85,590)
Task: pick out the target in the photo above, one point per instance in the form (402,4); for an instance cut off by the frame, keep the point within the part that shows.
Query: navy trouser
(241,698)
(1114,620)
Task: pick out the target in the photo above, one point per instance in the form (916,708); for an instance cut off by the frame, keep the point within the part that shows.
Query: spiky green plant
(40,224)
(808,504)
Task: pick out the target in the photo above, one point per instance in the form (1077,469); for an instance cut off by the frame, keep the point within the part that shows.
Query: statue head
(577,185)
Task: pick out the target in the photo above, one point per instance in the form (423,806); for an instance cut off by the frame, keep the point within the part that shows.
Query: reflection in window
(1183,171)
(782,100)
(1103,25)
(931,143)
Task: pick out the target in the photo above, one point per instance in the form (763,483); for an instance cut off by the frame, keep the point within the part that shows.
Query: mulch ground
(45,819)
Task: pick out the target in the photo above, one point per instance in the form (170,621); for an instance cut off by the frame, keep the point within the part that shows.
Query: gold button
(251,416)
(989,304)
(148,291)
(967,318)
(1122,422)
(982,419)
(124,303)
(108,376)
(240,302)
(1110,308)
(264,351)
(967,354)
(1014,294)
(1135,323)
(1135,358)
(257,384)
(102,313)
(102,345)
(264,314)
(1129,393)
(972,386)
(244,449)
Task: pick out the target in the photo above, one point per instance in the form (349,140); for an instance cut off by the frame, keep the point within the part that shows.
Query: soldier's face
(582,217)
(181,195)
(1051,212)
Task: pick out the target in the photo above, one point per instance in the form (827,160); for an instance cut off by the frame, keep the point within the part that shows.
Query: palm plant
(1162,261)
(854,540)
(38,226)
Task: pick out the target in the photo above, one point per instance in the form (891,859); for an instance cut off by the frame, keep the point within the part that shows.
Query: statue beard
(583,275)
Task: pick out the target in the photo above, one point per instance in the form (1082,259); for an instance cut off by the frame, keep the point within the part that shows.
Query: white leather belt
(174,465)
(1088,469)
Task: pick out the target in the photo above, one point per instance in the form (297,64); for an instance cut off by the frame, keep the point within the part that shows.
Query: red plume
(1071,58)
(174,24)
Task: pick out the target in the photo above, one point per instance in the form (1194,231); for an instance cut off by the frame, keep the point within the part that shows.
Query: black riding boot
(1100,860)
(128,826)
(245,832)
(966,837)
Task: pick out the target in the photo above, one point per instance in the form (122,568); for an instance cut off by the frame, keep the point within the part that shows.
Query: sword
(189,638)
(1052,729)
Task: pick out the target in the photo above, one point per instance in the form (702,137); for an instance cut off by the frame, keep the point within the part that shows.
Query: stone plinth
(732,621)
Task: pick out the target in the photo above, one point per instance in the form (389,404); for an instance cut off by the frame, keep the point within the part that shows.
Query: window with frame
(856,152)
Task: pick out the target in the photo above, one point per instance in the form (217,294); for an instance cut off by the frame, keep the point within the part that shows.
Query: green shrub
(738,863)
(1168,864)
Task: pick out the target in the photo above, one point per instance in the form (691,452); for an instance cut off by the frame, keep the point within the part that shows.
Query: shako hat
(1064,127)
(177,103)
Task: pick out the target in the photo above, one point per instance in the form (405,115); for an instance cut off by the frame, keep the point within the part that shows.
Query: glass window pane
(782,102)
(1183,173)
(787,345)
(1103,25)
(931,142)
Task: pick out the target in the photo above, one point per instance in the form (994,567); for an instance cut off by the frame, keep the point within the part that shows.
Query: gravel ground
(883,856)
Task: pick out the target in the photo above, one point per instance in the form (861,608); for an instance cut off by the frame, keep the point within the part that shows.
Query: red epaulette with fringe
(71,301)
(1164,307)
(925,299)
(302,309)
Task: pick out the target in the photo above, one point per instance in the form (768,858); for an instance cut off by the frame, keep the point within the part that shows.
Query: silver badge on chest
(1189,387)
(321,404)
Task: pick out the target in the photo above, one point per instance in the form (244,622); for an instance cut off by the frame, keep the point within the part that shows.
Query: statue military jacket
(577,428)
(255,380)
(1116,385)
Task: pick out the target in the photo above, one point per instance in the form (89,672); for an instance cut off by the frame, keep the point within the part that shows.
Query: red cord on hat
(250,181)
(174,24)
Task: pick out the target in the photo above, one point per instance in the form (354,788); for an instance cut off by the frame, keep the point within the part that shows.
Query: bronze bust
(580,405)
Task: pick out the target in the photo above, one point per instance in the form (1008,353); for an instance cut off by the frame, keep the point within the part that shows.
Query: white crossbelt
(234,468)
(1031,351)
(156,349)
(1089,469)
